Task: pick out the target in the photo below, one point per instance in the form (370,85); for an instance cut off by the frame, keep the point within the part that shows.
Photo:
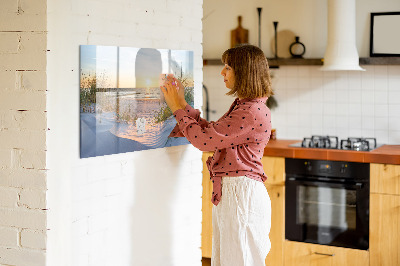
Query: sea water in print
(122,108)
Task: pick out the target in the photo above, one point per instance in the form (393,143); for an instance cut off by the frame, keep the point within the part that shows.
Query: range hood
(341,51)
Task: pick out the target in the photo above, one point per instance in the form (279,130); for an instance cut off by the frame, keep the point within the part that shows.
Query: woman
(242,208)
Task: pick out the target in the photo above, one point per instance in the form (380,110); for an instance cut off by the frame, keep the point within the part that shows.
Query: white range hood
(341,51)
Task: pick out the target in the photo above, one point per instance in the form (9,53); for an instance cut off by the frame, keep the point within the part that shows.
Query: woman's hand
(174,93)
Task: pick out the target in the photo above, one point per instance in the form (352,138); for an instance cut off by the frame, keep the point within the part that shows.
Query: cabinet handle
(324,254)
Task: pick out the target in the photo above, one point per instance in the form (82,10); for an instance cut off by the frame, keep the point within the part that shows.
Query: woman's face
(229,76)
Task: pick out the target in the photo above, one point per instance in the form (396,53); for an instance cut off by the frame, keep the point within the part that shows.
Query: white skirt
(241,223)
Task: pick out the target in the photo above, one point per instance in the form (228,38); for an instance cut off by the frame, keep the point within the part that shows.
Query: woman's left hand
(170,90)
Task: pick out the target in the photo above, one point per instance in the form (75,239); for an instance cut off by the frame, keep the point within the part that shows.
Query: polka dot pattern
(238,139)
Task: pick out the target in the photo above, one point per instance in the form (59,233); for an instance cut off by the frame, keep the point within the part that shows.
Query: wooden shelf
(380,61)
(274,63)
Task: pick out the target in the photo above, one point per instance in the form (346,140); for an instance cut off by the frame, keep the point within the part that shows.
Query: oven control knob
(343,168)
(308,166)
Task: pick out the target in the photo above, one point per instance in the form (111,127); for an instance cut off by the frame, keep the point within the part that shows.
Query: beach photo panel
(122,108)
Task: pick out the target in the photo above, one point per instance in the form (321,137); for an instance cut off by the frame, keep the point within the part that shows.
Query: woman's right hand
(180,87)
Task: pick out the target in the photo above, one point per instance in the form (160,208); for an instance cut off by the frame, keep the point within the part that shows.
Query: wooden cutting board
(239,35)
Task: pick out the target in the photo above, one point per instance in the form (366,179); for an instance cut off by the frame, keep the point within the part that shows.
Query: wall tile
(304,72)
(393,71)
(394,123)
(382,136)
(342,122)
(329,109)
(355,132)
(342,109)
(382,110)
(367,96)
(342,80)
(381,97)
(367,110)
(291,71)
(355,96)
(367,133)
(380,84)
(394,97)
(342,96)
(394,136)
(394,110)
(292,82)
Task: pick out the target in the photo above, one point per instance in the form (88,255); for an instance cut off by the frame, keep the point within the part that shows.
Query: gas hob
(332,142)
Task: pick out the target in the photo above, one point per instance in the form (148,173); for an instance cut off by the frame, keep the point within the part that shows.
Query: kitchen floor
(206,261)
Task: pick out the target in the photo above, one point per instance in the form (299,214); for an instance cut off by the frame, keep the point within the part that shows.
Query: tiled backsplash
(314,102)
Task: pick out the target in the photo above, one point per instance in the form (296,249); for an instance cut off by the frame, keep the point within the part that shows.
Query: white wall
(311,102)
(23,133)
(140,208)
(306,19)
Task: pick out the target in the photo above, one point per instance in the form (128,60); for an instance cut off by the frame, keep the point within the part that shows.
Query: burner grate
(358,144)
(327,142)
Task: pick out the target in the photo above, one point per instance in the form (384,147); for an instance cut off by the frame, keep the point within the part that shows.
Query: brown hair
(250,66)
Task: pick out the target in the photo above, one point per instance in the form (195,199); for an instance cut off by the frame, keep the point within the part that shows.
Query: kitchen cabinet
(274,168)
(277,233)
(384,221)
(206,225)
(385,215)
(305,254)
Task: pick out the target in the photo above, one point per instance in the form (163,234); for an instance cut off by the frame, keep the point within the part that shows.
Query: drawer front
(297,253)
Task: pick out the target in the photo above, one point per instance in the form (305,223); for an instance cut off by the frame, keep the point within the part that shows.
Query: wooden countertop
(389,154)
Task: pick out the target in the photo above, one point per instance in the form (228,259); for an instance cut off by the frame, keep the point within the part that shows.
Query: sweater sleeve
(193,113)
(229,131)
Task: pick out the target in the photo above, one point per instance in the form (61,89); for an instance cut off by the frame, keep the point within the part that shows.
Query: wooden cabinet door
(385,178)
(304,254)
(384,237)
(277,233)
(274,168)
(206,226)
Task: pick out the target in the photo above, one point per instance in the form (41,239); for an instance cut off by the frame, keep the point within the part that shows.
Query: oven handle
(357,185)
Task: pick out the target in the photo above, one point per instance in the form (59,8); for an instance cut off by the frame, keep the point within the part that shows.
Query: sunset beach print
(122,108)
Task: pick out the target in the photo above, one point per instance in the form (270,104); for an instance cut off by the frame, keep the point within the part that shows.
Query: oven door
(327,213)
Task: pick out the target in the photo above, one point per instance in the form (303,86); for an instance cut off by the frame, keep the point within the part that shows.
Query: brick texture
(23,125)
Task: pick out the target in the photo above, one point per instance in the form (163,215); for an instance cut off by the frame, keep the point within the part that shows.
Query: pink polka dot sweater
(238,139)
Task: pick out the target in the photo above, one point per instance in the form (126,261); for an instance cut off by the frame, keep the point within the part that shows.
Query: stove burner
(328,142)
(358,144)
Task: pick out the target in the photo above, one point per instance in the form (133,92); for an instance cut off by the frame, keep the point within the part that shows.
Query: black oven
(327,202)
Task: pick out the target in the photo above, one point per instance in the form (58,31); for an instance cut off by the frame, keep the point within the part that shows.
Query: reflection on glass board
(122,108)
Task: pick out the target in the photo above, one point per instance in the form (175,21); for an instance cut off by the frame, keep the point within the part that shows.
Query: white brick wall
(23,132)
(140,208)
(114,210)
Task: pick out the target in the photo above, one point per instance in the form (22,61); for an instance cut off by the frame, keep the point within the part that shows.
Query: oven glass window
(326,207)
